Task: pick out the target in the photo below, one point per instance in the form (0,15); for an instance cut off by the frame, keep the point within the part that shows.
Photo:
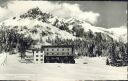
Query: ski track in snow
(2,58)
(95,69)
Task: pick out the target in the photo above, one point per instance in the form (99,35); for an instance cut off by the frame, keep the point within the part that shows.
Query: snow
(84,69)
(2,58)
(118,31)
(53,20)
(88,26)
(43,27)
(119,34)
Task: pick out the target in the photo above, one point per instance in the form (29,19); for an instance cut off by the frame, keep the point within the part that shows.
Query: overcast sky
(101,13)
(112,13)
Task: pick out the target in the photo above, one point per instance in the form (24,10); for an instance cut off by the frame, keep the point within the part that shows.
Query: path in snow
(95,69)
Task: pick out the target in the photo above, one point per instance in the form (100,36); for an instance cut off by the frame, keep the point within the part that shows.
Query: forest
(86,43)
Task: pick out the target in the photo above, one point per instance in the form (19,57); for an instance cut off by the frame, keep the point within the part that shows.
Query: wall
(58,51)
(38,57)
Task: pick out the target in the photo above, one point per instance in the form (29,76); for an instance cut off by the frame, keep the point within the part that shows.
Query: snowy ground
(84,69)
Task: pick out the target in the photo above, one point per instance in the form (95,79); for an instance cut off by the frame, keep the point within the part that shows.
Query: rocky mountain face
(41,25)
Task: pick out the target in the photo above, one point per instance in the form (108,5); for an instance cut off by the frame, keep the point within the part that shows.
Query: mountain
(119,34)
(41,25)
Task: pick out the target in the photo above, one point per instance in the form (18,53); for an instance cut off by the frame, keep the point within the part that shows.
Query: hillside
(35,28)
(40,26)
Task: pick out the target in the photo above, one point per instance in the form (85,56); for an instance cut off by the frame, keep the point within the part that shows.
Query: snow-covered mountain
(120,34)
(41,26)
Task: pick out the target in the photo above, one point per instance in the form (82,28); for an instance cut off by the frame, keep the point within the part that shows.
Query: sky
(100,13)
(112,13)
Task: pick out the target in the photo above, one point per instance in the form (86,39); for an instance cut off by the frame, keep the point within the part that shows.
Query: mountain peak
(44,20)
(36,13)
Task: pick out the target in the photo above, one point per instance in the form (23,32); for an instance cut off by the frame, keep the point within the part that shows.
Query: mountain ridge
(52,26)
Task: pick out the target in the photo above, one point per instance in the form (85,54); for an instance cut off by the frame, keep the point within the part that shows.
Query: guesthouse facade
(58,54)
(52,54)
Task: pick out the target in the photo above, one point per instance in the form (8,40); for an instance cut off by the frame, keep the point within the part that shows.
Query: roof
(51,46)
(58,46)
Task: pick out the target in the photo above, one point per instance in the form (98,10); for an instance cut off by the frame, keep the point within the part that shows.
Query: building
(58,54)
(34,56)
(29,56)
(38,56)
(51,54)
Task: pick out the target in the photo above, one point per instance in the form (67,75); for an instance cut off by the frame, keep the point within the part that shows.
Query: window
(36,55)
(47,49)
(41,51)
(41,59)
(57,49)
(52,49)
(36,51)
(36,59)
(62,49)
(41,55)
(68,49)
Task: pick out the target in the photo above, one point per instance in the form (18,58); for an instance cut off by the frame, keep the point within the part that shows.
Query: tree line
(11,40)
(90,46)
(116,52)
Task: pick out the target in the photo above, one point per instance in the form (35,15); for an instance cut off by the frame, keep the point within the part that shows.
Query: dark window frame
(36,51)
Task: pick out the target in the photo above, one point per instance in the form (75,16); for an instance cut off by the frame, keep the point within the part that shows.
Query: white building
(35,56)
(38,56)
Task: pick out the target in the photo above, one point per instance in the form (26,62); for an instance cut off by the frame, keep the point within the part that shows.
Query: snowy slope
(3,58)
(119,34)
(116,33)
(39,26)
(94,69)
